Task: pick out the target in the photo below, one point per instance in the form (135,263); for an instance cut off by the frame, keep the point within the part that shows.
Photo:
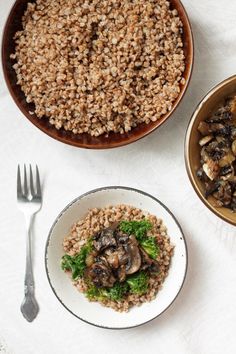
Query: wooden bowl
(13,24)
(192,147)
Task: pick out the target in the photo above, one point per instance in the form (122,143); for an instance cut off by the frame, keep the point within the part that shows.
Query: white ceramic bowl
(92,312)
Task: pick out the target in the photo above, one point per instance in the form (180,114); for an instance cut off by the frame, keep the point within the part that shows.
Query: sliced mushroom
(211,187)
(211,169)
(222,141)
(104,239)
(122,238)
(204,128)
(233,132)
(123,256)
(116,256)
(214,119)
(233,105)
(224,193)
(233,147)
(227,159)
(121,273)
(227,173)
(218,155)
(112,258)
(233,202)
(216,150)
(218,128)
(134,262)
(222,114)
(100,274)
(148,263)
(205,140)
(200,173)
(204,155)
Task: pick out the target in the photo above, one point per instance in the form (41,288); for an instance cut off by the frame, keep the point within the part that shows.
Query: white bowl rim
(98,190)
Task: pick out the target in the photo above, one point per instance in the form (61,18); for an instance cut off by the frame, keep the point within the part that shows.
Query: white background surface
(202,320)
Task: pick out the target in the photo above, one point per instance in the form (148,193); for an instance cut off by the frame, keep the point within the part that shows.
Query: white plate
(93,312)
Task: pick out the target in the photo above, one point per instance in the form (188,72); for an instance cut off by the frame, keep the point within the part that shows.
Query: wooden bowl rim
(124,139)
(190,171)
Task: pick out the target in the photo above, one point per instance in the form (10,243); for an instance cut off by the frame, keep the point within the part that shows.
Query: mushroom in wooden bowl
(210,150)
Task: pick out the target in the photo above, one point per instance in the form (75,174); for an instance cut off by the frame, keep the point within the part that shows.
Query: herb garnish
(140,229)
(76,264)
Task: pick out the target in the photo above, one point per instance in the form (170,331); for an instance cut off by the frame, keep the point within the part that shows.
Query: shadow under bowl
(14,24)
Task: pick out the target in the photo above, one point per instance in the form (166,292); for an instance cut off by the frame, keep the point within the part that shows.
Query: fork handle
(29,279)
(29,307)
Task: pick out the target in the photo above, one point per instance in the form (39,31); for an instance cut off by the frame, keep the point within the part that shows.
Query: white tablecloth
(202,319)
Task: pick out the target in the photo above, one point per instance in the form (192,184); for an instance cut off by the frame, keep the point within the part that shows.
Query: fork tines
(28,189)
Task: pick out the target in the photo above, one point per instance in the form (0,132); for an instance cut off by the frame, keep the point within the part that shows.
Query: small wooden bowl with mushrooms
(210,150)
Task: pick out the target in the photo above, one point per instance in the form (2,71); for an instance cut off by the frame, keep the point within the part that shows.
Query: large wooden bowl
(13,24)
(208,105)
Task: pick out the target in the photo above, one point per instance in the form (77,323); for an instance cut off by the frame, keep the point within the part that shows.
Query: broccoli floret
(149,245)
(138,283)
(139,229)
(118,291)
(115,293)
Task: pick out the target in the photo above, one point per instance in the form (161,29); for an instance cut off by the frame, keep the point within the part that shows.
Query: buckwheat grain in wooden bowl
(97,74)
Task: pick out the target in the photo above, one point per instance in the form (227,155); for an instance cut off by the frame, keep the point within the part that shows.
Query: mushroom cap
(104,239)
(101,275)
(134,262)
(116,256)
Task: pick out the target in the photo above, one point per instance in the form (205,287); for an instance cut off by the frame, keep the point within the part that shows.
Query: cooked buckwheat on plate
(112,244)
(100,66)
(118,255)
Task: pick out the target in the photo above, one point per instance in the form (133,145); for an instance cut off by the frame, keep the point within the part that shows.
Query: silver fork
(29,198)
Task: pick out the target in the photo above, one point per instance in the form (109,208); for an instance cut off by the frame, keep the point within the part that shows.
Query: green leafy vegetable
(139,229)
(149,245)
(94,293)
(138,283)
(118,291)
(115,293)
(135,284)
(76,264)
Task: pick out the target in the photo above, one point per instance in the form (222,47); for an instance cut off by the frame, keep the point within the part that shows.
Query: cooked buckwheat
(100,218)
(100,66)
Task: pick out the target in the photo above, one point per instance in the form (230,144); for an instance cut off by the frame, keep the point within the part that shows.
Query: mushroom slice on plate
(121,273)
(112,258)
(104,239)
(134,256)
(100,274)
